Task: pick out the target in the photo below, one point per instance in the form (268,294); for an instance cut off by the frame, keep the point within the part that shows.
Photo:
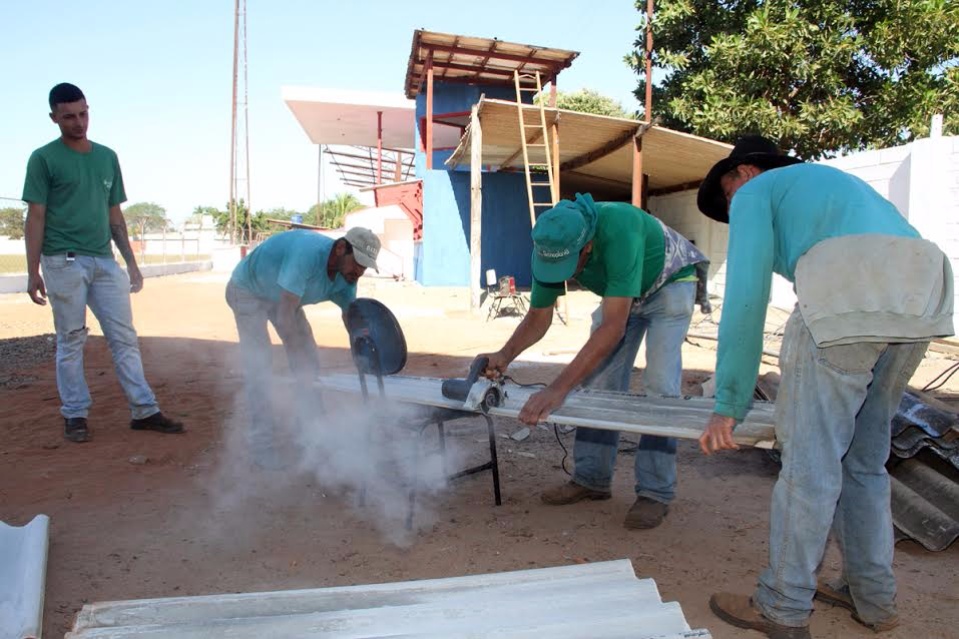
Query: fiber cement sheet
(546,602)
(23,569)
(681,417)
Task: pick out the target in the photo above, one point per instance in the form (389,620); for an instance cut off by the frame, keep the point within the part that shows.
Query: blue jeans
(833,419)
(100,283)
(664,317)
(252,314)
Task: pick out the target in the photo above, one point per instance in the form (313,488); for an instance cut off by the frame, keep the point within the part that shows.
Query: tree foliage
(146,217)
(11,222)
(331,213)
(588,101)
(819,76)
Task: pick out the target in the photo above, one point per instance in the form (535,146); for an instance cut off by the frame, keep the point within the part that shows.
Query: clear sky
(158,78)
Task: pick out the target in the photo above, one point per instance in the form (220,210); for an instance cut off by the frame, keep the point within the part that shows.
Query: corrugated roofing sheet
(546,602)
(23,569)
(467,59)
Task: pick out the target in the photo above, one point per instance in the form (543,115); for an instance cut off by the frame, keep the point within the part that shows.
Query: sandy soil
(146,515)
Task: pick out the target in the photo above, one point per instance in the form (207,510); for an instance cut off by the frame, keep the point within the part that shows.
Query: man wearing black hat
(872,293)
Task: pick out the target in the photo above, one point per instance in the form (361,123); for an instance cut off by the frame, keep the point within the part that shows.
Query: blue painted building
(463,70)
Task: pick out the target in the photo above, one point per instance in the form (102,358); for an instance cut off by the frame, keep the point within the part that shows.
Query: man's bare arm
(33,236)
(118,230)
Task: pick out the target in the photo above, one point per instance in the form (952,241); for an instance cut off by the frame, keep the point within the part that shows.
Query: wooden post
(638,171)
(429,110)
(554,152)
(398,166)
(476,208)
(649,64)
(379,147)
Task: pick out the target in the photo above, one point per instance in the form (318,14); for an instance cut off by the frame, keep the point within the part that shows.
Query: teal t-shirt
(78,190)
(293,261)
(628,256)
(773,220)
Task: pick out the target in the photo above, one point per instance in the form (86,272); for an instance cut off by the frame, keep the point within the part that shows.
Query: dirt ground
(136,515)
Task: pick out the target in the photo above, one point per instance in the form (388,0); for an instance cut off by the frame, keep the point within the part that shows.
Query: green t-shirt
(627,258)
(78,190)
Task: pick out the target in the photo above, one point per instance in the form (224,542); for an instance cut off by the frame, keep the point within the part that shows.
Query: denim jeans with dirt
(663,318)
(72,284)
(252,314)
(833,416)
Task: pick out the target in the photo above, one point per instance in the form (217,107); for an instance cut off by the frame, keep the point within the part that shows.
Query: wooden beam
(439,64)
(666,190)
(554,141)
(603,180)
(649,61)
(429,110)
(476,208)
(599,152)
(637,199)
(552,65)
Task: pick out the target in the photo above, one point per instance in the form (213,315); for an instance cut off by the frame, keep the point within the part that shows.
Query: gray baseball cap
(366,246)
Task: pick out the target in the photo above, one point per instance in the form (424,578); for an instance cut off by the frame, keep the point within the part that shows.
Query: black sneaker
(75,429)
(158,422)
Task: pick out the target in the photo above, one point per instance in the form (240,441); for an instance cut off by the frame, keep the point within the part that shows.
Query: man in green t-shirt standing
(74,190)
(645,273)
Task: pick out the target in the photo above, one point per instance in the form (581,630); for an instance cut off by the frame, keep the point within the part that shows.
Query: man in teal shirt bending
(645,273)
(271,285)
(871,295)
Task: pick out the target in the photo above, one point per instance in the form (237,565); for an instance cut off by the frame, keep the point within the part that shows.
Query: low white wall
(18,283)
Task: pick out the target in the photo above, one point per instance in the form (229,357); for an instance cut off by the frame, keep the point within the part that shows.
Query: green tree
(199,212)
(332,213)
(11,222)
(819,76)
(588,101)
(146,217)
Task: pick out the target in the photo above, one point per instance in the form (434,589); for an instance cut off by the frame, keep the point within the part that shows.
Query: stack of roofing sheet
(595,601)
(925,492)
(918,425)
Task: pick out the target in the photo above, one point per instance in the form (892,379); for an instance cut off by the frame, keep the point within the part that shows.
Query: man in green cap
(645,273)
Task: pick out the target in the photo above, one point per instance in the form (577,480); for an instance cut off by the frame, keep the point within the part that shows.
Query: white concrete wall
(679,212)
(17,283)
(395,231)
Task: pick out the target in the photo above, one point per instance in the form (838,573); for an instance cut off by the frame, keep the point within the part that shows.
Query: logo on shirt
(108,184)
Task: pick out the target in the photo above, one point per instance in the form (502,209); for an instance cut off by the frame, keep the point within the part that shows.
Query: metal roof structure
(596,152)
(334,116)
(357,165)
(526,604)
(469,60)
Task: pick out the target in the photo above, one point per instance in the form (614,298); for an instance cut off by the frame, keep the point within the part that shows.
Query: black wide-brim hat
(750,149)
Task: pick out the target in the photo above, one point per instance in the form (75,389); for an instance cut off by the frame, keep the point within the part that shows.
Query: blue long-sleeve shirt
(773,220)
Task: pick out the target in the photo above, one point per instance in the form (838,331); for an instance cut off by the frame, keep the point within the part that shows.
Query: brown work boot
(570,493)
(843,598)
(646,513)
(739,611)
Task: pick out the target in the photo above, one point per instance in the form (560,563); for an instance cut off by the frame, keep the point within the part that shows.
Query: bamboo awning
(596,151)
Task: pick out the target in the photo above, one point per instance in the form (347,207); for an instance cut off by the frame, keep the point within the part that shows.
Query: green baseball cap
(558,237)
